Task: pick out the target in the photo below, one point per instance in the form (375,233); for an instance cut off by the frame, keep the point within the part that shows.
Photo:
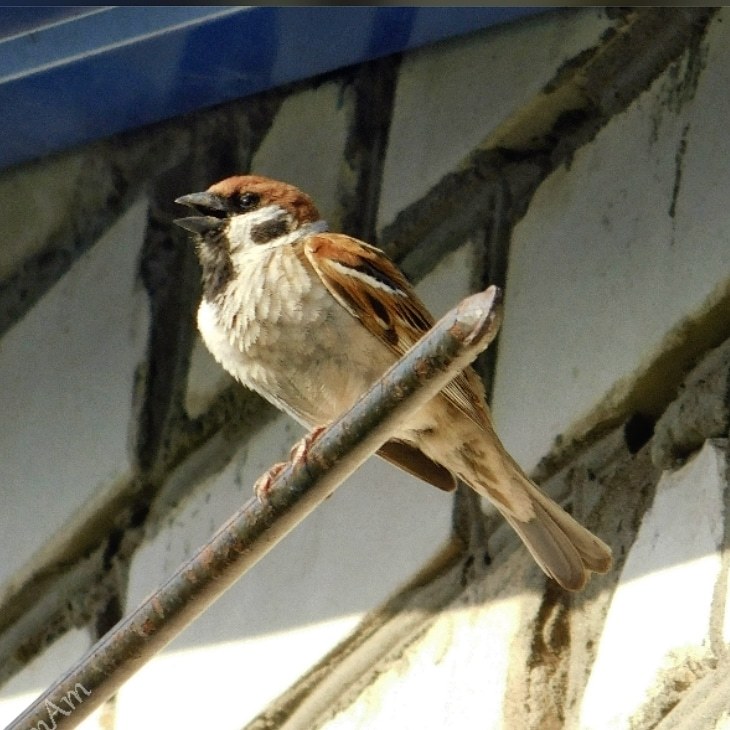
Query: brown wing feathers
(372,289)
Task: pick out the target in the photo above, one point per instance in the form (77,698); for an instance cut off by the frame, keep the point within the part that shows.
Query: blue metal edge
(93,74)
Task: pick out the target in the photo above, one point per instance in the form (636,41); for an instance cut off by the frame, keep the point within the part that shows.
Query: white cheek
(239,232)
(240,227)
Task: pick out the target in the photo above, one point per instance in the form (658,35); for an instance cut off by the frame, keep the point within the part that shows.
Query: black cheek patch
(268,231)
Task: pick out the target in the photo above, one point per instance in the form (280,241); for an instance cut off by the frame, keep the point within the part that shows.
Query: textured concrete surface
(593,290)
(660,614)
(36,199)
(701,411)
(349,555)
(466,653)
(452,95)
(69,368)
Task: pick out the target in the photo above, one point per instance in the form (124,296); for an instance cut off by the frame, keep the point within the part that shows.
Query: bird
(310,319)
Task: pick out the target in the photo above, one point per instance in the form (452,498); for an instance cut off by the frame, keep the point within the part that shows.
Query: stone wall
(576,159)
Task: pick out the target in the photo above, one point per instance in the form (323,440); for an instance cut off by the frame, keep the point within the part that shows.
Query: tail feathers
(562,547)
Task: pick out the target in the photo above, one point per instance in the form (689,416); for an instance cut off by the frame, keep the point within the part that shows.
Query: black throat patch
(216,263)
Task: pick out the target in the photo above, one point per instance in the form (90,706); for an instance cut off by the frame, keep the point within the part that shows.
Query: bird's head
(242,213)
(248,210)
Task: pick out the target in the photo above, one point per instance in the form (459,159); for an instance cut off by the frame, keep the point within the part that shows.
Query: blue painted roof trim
(70,77)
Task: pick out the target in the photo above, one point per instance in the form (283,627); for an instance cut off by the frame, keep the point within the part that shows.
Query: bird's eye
(248,201)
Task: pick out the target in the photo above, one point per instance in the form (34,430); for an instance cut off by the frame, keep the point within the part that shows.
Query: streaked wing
(372,289)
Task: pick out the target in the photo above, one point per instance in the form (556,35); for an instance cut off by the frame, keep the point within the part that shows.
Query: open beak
(213,209)
(204,202)
(200,224)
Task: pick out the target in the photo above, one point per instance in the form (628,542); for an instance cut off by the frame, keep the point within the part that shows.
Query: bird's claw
(299,451)
(297,456)
(262,487)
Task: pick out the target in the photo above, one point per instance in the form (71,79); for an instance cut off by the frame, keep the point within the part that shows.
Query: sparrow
(309,319)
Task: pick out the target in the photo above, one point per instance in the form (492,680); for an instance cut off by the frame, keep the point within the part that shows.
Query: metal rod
(254,529)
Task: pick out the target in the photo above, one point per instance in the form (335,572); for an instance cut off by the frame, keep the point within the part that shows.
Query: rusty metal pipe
(254,529)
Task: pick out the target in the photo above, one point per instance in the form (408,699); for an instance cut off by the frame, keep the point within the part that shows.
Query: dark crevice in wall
(547,661)
(492,243)
(638,430)
(113,544)
(171,276)
(678,165)
(493,267)
(374,85)
(653,387)
(108,616)
(469,526)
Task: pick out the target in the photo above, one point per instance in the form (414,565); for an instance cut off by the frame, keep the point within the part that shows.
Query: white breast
(291,341)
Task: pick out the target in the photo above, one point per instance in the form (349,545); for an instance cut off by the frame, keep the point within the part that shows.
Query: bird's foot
(300,450)
(297,456)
